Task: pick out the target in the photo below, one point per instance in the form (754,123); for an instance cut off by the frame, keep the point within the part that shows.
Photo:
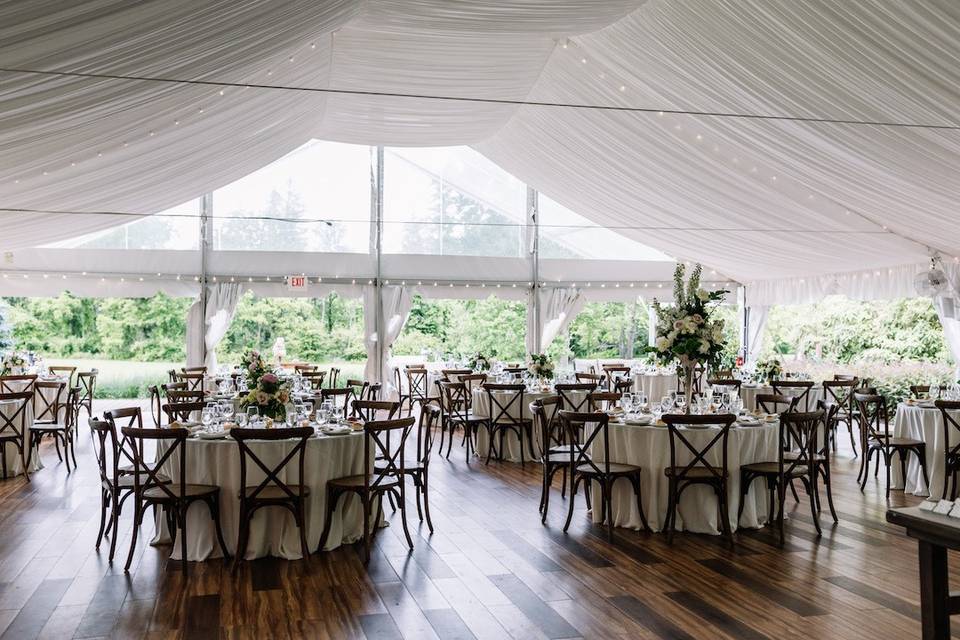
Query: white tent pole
(533,216)
(206,210)
(378,217)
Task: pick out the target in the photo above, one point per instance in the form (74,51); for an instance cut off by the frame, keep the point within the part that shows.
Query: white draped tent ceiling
(755,198)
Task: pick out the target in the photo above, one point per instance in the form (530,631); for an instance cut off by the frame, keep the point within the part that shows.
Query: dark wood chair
(699,373)
(182,411)
(314,378)
(374,484)
(194,380)
(699,471)
(115,484)
(18,383)
(14,429)
(417,467)
(875,438)
(501,399)
(370,410)
(616,374)
(799,389)
(360,388)
(951,452)
(918,390)
(87,381)
(418,387)
(602,400)
(171,375)
(63,371)
(775,403)
(301,368)
(731,383)
(840,394)
(48,401)
(62,431)
(182,395)
(453,375)
(172,494)
(333,378)
(342,399)
(590,378)
(373,391)
(271,491)
(198,369)
(399,381)
(556,452)
(457,413)
(584,467)
(156,402)
(796,460)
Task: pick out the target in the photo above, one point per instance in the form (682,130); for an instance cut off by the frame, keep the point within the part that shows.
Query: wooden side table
(935,534)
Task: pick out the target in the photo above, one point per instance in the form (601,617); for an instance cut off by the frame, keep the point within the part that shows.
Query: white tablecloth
(511,445)
(749,396)
(649,447)
(273,531)
(926,424)
(655,385)
(14,463)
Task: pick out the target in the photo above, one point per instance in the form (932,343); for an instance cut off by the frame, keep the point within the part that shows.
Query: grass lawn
(129,379)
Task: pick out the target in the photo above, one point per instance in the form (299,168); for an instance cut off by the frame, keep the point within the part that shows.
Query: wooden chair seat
(616,469)
(513,421)
(773,468)
(896,442)
(128,481)
(276,493)
(699,473)
(470,417)
(817,457)
(189,491)
(354,482)
(49,426)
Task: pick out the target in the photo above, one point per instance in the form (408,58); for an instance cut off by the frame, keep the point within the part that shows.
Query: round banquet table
(655,385)
(649,448)
(511,444)
(748,394)
(925,424)
(11,455)
(273,531)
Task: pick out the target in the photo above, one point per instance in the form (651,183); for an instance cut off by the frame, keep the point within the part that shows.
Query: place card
(943,507)
(928,505)
(955,512)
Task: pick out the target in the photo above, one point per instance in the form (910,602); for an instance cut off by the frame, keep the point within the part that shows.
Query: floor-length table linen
(12,455)
(925,424)
(649,448)
(655,385)
(273,531)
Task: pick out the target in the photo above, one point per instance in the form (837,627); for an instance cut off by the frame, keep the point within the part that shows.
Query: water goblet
(253,416)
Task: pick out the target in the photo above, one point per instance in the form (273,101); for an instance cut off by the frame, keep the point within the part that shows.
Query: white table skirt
(273,531)
(749,396)
(655,385)
(14,463)
(649,448)
(511,444)
(926,424)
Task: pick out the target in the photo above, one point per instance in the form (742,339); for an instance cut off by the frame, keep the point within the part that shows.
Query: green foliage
(606,330)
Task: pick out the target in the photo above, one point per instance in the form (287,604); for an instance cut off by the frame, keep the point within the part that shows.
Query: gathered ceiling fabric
(764,202)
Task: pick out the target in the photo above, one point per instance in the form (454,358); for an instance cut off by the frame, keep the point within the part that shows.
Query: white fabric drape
(395,308)
(947,304)
(205,333)
(756,326)
(558,308)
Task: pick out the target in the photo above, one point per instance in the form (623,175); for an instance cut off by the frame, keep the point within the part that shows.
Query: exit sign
(296,283)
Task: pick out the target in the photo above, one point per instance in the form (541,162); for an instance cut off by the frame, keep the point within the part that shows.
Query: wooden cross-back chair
(596,466)
(361,388)
(556,453)
(417,467)
(699,471)
(590,378)
(182,411)
(61,429)
(951,452)
(418,388)
(168,491)
(194,380)
(774,403)
(374,483)
(272,491)
(370,410)
(699,373)
(602,400)
(314,378)
(342,399)
(616,374)
(334,377)
(502,398)
(796,460)
(453,375)
(840,394)
(457,412)
(14,429)
(115,487)
(21,383)
(63,371)
(200,369)
(876,439)
(87,381)
(917,390)
(799,389)
(48,401)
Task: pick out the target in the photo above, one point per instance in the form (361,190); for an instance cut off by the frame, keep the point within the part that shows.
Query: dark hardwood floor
(491,570)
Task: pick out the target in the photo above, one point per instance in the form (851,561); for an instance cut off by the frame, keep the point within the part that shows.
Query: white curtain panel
(558,308)
(206,333)
(756,326)
(395,308)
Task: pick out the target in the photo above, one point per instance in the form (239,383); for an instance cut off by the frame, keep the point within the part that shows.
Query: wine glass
(666,403)
(681,402)
(639,402)
(241,419)
(207,417)
(227,411)
(626,402)
(253,415)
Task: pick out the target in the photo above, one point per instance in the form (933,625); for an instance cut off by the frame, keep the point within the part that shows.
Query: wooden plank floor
(491,570)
